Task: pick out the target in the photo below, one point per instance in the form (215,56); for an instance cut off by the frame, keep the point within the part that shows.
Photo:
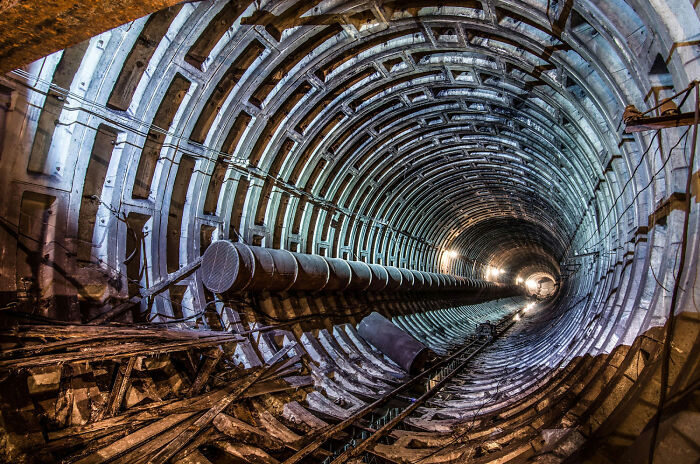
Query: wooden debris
(80,343)
(121,383)
(64,404)
(277,429)
(125,444)
(211,360)
(184,437)
(134,365)
(245,452)
(297,414)
(240,431)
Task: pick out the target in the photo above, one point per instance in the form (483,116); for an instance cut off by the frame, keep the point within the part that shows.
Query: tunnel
(378,231)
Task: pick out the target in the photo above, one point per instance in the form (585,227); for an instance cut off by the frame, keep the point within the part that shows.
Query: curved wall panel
(400,143)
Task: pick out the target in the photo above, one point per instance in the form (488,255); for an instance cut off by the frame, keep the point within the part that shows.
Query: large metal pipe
(398,345)
(395,278)
(235,267)
(275,270)
(340,274)
(314,272)
(361,275)
(380,277)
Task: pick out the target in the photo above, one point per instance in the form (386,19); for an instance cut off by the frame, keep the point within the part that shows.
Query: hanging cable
(671,323)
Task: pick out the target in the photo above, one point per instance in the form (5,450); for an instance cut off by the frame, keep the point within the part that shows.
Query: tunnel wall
(261,174)
(391,137)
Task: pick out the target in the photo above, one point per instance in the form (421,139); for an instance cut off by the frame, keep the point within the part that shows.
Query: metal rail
(460,360)
(442,373)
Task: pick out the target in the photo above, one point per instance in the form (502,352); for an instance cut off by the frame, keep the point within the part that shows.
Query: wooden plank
(158,287)
(283,367)
(82,338)
(121,383)
(246,433)
(298,413)
(212,358)
(130,441)
(207,436)
(244,452)
(118,351)
(64,403)
(277,429)
(94,439)
(273,386)
(162,284)
(80,331)
(141,454)
(183,438)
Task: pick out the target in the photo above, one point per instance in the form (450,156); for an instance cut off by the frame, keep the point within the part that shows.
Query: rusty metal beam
(660,122)
(31,29)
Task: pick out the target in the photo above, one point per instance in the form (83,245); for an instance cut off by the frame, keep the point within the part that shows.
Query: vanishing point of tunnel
(349,231)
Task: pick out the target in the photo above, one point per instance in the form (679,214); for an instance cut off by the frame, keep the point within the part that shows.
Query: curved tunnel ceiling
(385,133)
(390,132)
(382,143)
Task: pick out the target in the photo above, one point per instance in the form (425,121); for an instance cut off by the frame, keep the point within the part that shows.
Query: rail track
(375,421)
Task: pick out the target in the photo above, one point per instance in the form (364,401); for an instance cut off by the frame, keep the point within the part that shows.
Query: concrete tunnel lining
(383,135)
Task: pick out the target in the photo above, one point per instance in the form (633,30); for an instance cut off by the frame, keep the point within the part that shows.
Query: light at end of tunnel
(451,254)
(493,272)
(531,284)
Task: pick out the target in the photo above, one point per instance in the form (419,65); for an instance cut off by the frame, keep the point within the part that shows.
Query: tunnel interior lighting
(494,272)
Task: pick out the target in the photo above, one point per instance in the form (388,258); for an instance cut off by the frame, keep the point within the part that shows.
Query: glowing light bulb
(519,280)
(517,317)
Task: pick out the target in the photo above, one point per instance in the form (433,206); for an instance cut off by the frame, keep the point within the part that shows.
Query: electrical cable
(642,157)
(632,202)
(668,336)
